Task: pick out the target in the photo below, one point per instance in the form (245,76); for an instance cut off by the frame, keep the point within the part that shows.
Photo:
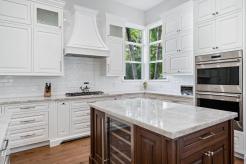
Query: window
(155,53)
(133,54)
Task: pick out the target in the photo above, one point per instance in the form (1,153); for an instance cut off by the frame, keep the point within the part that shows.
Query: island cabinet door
(201,157)
(219,153)
(98,138)
(148,147)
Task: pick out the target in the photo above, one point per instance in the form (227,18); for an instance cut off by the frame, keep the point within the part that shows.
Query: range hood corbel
(85,39)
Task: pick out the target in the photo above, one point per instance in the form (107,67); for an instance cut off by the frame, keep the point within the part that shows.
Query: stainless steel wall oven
(219,83)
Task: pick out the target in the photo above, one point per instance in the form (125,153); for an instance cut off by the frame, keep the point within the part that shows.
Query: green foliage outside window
(133,54)
(155,54)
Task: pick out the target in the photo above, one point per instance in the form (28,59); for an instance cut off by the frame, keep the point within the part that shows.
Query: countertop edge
(16,100)
(163,132)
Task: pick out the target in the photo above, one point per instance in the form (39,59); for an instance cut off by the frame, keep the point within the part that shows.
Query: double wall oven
(219,83)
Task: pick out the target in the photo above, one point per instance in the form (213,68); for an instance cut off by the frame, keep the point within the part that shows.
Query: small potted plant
(145,85)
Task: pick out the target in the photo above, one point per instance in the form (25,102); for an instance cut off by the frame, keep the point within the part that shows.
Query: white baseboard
(58,141)
(28,147)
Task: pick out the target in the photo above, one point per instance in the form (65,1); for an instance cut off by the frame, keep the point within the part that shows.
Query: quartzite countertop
(16,100)
(168,119)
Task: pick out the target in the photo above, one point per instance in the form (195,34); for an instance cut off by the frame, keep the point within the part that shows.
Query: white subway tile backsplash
(78,70)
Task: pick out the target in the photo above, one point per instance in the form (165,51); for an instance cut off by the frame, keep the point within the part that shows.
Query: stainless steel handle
(219,94)
(6,143)
(28,121)
(207,154)
(211,134)
(29,107)
(28,136)
(219,61)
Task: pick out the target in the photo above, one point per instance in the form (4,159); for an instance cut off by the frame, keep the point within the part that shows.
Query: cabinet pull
(207,136)
(28,136)
(217,13)
(6,143)
(28,121)
(29,107)
(213,14)
(207,154)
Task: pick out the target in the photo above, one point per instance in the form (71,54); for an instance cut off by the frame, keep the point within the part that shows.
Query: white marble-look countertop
(16,100)
(4,124)
(168,119)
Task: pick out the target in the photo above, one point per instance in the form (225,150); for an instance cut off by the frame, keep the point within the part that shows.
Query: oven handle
(219,61)
(219,94)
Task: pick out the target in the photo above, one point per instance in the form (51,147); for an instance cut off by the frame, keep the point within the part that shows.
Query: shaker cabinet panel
(115,63)
(186,42)
(205,37)
(226,6)
(15,48)
(171,23)
(181,64)
(15,11)
(63,119)
(171,45)
(204,10)
(48,51)
(229,32)
(148,147)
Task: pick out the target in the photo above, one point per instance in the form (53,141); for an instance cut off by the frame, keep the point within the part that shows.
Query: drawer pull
(207,136)
(29,107)
(6,143)
(28,136)
(28,121)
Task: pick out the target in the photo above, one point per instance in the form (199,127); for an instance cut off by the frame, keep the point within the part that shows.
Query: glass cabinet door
(47,16)
(120,142)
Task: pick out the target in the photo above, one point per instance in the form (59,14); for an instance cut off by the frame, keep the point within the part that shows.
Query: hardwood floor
(75,152)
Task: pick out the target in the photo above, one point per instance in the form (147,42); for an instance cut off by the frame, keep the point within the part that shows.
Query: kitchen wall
(78,70)
(172,85)
(154,14)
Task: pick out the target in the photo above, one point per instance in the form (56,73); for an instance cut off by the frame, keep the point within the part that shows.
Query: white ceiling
(140,4)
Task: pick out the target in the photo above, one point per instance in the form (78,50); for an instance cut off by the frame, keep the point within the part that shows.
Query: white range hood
(85,39)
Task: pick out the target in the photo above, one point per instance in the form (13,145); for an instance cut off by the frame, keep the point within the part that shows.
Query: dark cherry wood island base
(114,141)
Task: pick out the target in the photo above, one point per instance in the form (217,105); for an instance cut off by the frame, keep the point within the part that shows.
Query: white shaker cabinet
(204,9)
(205,37)
(48,42)
(115,41)
(115,60)
(229,32)
(211,9)
(63,119)
(222,34)
(31,37)
(178,40)
(16,11)
(15,48)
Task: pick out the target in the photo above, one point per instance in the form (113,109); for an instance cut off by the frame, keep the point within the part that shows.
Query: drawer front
(80,113)
(26,108)
(80,105)
(15,11)
(201,139)
(31,120)
(38,134)
(81,128)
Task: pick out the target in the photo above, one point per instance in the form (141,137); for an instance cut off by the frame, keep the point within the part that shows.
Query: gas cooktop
(84,93)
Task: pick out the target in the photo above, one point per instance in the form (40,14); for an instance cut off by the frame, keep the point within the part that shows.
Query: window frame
(148,28)
(142,45)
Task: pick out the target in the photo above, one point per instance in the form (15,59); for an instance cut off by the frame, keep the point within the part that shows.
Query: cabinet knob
(63,103)
(217,13)
(213,14)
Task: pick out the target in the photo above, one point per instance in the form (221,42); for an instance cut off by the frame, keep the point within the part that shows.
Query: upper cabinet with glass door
(48,16)
(48,40)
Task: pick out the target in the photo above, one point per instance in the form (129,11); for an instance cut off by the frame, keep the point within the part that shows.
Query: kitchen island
(147,131)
